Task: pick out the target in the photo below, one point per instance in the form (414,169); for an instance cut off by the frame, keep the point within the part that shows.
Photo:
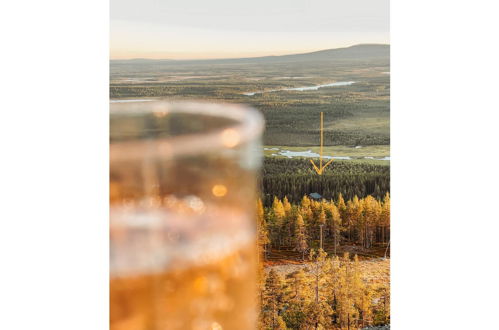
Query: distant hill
(364,51)
(356,52)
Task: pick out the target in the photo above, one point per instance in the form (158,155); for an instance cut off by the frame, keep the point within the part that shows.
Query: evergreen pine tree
(300,236)
(263,236)
(278,217)
(335,225)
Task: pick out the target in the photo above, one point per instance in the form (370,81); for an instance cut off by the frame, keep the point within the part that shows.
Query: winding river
(304,88)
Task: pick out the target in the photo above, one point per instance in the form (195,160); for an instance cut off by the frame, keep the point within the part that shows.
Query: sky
(194,29)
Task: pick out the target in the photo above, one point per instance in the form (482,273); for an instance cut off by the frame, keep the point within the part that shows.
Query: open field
(372,270)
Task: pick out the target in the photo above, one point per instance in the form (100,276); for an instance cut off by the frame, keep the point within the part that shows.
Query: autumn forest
(329,292)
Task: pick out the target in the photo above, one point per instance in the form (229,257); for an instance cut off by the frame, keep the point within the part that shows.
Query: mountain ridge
(359,51)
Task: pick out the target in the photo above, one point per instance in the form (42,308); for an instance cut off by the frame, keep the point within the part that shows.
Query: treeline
(306,137)
(331,294)
(294,178)
(364,222)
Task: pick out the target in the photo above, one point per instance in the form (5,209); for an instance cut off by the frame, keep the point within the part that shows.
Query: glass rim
(249,125)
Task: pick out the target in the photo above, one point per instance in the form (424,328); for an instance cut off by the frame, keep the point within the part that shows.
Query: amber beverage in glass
(182,201)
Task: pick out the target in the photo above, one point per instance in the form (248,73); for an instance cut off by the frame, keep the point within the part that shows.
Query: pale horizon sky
(223,29)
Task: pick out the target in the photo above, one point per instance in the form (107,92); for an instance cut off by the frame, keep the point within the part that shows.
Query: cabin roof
(315,195)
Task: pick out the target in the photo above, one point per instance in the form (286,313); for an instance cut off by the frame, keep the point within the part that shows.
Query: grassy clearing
(373,271)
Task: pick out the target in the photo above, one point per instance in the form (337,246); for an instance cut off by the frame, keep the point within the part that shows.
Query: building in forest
(315,196)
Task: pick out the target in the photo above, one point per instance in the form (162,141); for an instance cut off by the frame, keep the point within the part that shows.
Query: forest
(357,114)
(364,222)
(329,293)
(293,178)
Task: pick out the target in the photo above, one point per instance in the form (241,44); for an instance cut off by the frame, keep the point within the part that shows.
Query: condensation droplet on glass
(195,203)
(230,137)
(219,190)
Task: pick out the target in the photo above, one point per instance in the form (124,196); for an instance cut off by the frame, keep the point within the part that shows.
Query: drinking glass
(183,185)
